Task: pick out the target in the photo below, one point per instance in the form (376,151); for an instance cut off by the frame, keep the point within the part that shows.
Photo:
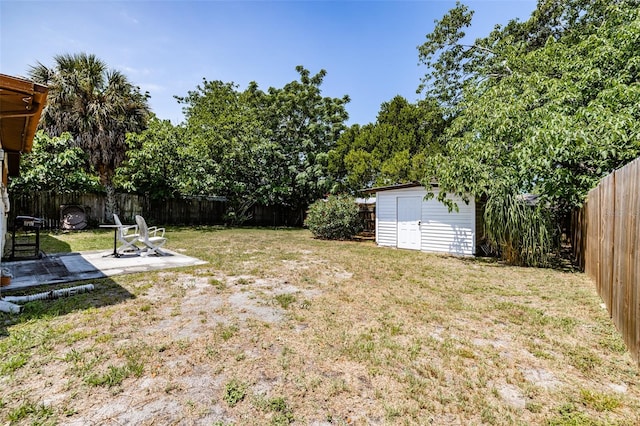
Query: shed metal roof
(391,187)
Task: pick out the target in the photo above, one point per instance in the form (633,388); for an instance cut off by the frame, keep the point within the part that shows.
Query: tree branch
(485,49)
(475,46)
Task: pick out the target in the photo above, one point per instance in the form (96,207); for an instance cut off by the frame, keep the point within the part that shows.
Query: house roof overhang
(21,104)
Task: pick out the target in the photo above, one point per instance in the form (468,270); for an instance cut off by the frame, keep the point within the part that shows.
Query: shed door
(409,216)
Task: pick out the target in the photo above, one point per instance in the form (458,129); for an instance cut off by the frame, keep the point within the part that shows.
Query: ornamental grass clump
(522,233)
(335,218)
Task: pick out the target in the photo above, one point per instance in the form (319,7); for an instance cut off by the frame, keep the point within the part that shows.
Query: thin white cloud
(152,88)
(128,18)
(135,71)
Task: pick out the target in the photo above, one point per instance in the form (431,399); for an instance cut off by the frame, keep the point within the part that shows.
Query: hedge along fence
(606,243)
(185,211)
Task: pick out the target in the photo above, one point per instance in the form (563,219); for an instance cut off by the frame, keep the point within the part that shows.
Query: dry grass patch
(280,328)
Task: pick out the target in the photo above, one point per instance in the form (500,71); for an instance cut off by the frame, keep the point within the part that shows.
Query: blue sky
(369,48)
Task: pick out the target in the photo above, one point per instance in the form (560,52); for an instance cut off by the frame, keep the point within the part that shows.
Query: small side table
(115,239)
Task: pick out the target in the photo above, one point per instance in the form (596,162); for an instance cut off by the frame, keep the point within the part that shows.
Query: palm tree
(98,106)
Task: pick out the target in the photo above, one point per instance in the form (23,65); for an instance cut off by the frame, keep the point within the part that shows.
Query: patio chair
(152,237)
(127,236)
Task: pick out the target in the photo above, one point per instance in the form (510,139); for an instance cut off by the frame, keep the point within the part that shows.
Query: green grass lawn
(280,328)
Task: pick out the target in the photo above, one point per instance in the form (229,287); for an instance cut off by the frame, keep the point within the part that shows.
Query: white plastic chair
(127,236)
(153,237)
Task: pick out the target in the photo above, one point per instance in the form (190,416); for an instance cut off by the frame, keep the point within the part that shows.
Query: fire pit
(73,217)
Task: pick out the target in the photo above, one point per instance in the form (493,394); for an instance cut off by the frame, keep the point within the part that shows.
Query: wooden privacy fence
(183,211)
(367,213)
(606,243)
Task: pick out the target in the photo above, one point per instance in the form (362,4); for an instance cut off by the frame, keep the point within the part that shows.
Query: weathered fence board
(606,260)
(633,254)
(579,236)
(606,238)
(592,225)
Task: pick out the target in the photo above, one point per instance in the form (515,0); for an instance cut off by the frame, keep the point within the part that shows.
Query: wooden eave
(21,105)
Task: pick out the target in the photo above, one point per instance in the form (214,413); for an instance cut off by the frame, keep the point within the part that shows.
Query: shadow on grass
(106,292)
(558,262)
(199,228)
(50,244)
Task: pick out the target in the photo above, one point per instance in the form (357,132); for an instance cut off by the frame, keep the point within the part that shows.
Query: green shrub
(335,218)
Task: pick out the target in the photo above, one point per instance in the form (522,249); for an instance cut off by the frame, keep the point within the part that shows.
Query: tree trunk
(111,205)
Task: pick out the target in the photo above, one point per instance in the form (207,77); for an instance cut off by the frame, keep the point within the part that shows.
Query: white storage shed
(405,219)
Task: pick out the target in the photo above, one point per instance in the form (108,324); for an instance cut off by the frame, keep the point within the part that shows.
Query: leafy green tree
(383,152)
(550,116)
(223,144)
(249,146)
(154,163)
(53,165)
(260,147)
(302,126)
(97,106)
(455,63)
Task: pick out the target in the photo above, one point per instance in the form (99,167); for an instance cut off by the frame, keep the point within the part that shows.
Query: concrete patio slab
(69,267)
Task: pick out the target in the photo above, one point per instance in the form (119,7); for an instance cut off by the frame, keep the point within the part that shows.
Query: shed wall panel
(448,232)
(386,220)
